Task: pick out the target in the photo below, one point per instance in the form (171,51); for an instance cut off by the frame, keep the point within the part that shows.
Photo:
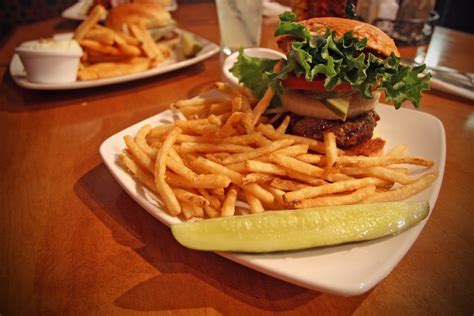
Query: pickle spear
(189,45)
(299,229)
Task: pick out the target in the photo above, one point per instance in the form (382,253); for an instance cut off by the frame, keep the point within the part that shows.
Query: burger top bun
(377,40)
(150,15)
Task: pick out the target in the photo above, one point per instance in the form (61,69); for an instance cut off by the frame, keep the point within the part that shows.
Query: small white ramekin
(49,66)
(260,52)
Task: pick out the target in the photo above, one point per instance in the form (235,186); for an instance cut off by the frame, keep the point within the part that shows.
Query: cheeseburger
(152,16)
(332,77)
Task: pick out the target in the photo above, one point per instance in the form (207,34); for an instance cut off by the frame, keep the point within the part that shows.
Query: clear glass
(240,24)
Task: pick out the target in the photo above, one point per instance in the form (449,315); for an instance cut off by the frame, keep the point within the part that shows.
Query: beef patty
(352,132)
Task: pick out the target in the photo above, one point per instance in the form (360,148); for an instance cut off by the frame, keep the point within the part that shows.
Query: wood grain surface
(73,242)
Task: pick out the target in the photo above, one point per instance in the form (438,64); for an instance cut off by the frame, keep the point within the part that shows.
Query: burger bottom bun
(302,104)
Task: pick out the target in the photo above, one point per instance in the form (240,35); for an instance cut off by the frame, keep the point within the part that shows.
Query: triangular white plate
(349,269)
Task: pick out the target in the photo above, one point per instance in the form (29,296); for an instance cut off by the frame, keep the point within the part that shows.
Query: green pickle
(300,229)
(189,45)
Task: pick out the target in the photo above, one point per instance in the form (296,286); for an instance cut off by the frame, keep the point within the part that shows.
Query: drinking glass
(240,24)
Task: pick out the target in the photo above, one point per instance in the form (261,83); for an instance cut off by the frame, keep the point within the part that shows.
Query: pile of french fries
(226,151)
(108,53)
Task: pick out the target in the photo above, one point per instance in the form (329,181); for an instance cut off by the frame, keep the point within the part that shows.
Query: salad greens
(338,60)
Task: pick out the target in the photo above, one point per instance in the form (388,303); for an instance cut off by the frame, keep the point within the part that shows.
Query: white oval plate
(18,73)
(349,269)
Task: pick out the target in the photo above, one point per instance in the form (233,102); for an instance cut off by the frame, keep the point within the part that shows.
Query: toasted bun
(305,105)
(150,15)
(377,40)
(163,3)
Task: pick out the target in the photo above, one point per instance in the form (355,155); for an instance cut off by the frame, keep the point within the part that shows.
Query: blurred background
(455,14)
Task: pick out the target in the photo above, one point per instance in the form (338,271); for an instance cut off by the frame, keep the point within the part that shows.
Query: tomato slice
(317,85)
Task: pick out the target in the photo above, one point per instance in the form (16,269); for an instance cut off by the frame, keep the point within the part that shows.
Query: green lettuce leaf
(256,73)
(339,60)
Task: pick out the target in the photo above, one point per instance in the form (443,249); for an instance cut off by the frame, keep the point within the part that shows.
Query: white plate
(19,75)
(346,270)
(78,11)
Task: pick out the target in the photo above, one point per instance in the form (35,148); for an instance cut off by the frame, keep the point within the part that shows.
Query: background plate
(18,73)
(349,269)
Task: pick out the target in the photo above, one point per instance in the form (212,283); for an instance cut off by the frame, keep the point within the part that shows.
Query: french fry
(197,101)
(207,181)
(312,159)
(213,200)
(100,47)
(263,167)
(166,193)
(125,38)
(237,104)
(298,166)
(211,212)
(287,185)
(129,50)
(398,150)
(274,118)
(304,177)
(142,176)
(140,140)
(187,210)
(198,211)
(257,178)
(254,203)
(230,126)
(261,106)
(247,139)
(404,192)
(161,130)
(337,187)
(380,172)
(174,155)
(225,88)
(103,35)
(141,157)
(219,108)
(219,147)
(351,198)
(148,44)
(189,197)
(200,129)
(261,140)
(238,167)
(283,125)
(219,193)
(362,161)
(97,13)
(259,192)
(179,168)
(258,152)
(215,168)
(228,206)
(272,134)
(106,70)
(278,195)
(291,151)
(331,151)
(211,181)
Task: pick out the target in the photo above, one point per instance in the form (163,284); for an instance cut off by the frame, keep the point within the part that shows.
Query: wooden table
(73,242)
